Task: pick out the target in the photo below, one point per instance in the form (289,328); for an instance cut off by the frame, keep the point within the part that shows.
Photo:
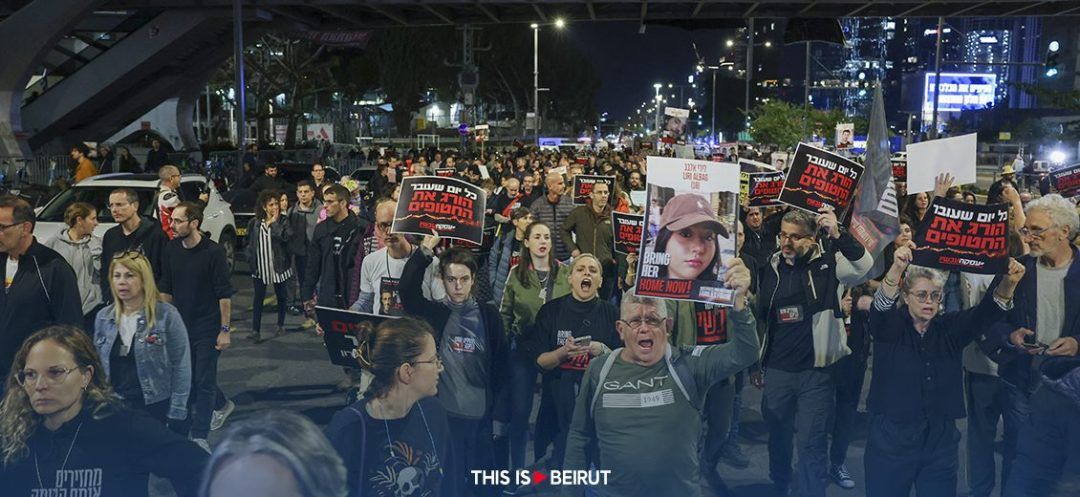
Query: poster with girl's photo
(690,230)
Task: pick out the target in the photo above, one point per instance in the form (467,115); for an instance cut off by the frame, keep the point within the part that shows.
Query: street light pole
(656,100)
(536,81)
(749,74)
(712,125)
(937,79)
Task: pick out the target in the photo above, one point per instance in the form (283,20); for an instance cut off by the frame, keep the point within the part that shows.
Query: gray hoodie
(85,258)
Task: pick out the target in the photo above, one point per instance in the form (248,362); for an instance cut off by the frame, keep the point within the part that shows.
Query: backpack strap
(603,375)
(683,378)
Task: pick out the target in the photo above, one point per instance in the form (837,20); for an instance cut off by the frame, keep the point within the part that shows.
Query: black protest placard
(1066,181)
(340,331)
(445,172)
(899,169)
(628,229)
(761,189)
(820,178)
(449,206)
(583,185)
(957,236)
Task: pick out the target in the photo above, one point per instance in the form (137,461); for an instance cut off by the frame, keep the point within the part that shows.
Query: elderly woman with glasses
(64,432)
(916,391)
(143,342)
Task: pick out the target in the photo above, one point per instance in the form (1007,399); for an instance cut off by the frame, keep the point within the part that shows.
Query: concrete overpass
(97,65)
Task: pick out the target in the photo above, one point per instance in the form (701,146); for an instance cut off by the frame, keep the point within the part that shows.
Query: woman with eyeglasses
(63,431)
(569,332)
(397,434)
(268,254)
(143,342)
(916,391)
(536,279)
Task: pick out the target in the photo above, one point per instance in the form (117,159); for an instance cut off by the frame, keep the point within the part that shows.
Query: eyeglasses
(927,297)
(1027,232)
(177,220)
(384,226)
(794,238)
(652,322)
(129,254)
(53,376)
(436,361)
(4,227)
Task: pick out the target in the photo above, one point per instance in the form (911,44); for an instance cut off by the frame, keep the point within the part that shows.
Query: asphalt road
(293,372)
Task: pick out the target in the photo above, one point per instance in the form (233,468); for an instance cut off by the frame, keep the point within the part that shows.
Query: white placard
(928,159)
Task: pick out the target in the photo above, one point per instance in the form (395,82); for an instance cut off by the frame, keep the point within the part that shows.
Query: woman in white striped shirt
(268,256)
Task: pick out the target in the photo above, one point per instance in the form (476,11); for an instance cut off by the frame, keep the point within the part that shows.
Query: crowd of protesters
(109,346)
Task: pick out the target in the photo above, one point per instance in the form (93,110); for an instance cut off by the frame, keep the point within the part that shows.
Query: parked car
(218,218)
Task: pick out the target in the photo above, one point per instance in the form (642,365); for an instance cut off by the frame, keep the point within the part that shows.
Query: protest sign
(675,125)
(728,151)
(819,178)
(928,159)
(691,230)
(1066,181)
(845,133)
(753,166)
(761,189)
(957,236)
(445,172)
(628,229)
(449,206)
(780,160)
(340,331)
(899,169)
(583,185)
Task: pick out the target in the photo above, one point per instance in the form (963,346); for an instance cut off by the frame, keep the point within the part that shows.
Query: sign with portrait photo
(448,206)
(845,135)
(675,122)
(692,220)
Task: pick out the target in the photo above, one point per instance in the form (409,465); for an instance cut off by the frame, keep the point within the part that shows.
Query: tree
(778,123)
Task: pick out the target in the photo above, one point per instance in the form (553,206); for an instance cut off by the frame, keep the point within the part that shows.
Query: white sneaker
(203,444)
(840,475)
(217,419)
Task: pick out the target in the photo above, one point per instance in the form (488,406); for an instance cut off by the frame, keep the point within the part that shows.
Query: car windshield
(97,196)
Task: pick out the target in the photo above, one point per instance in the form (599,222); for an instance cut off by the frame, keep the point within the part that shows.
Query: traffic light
(1050,67)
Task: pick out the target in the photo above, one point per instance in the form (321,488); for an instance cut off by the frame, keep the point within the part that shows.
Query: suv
(217,216)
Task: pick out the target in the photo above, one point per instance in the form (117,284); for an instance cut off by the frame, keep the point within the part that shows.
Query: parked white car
(217,215)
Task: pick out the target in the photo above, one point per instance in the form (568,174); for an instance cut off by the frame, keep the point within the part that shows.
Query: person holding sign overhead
(916,391)
(802,287)
(472,345)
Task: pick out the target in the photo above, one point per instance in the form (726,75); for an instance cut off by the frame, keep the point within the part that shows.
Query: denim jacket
(162,355)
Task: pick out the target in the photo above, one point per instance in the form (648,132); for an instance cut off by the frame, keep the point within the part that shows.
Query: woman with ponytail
(397,434)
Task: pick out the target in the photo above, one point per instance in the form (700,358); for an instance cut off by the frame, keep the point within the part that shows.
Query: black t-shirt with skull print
(412,459)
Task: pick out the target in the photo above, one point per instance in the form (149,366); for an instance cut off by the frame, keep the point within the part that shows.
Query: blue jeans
(522,385)
(1048,453)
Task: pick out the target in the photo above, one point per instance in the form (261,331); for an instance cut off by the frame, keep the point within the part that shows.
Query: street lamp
(559,23)
(657,99)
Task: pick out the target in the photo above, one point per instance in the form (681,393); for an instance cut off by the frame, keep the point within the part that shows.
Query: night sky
(629,63)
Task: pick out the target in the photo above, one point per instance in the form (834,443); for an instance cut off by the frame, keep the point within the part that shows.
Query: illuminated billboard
(959,91)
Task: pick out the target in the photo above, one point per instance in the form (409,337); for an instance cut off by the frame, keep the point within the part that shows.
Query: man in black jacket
(331,252)
(39,285)
(133,233)
(270,181)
